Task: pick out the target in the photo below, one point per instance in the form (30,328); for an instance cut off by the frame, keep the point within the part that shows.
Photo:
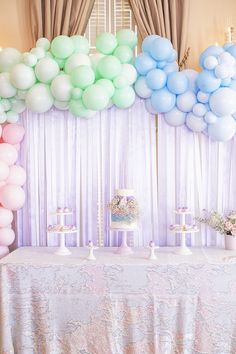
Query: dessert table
(52,304)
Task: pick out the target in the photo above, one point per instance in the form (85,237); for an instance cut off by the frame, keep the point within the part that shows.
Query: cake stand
(123,249)
(62,250)
(183,229)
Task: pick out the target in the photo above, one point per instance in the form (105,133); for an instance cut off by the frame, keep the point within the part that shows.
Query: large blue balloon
(144,63)
(223,129)
(213,50)
(192,76)
(173,56)
(141,88)
(175,117)
(147,42)
(196,124)
(161,49)
(223,101)
(163,100)
(156,79)
(207,82)
(177,83)
(170,68)
(186,101)
(232,50)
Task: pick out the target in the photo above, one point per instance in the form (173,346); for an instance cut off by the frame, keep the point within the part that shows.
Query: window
(109,16)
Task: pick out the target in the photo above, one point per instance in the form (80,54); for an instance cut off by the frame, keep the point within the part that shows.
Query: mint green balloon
(82,76)
(77,93)
(127,37)
(62,47)
(60,62)
(95,97)
(124,97)
(124,54)
(109,67)
(106,43)
(81,44)
(77,108)
(107,85)
(120,81)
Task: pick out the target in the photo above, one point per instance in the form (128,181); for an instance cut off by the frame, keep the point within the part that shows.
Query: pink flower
(228,226)
(233,230)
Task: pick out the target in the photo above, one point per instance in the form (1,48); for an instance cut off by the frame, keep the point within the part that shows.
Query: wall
(208,22)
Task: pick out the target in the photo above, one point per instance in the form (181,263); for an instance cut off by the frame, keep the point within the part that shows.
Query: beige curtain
(168,18)
(50,18)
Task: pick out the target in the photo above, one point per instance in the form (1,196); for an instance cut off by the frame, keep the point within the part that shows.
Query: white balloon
(8,58)
(129,72)
(61,87)
(43,43)
(75,60)
(39,98)
(22,76)
(223,101)
(6,88)
(46,69)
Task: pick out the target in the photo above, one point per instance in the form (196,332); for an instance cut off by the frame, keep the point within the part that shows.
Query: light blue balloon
(210,62)
(213,50)
(223,101)
(156,79)
(163,100)
(223,129)
(199,109)
(173,56)
(175,117)
(203,97)
(141,88)
(177,83)
(161,64)
(233,85)
(186,101)
(226,82)
(232,50)
(210,117)
(144,63)
(227,45)
(147,42)
(171,68)
(192,76)
(148,105)
(194,123)
(161,48)
(207,82)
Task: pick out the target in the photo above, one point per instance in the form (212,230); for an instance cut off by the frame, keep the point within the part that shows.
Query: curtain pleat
(167,18)
(51,18)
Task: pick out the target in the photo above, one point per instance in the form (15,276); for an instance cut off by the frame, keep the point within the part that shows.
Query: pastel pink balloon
(12,197)
(8,154)
(4,250)
(4,170)
(0,130)
(16,175)
(2,183)
(7,236)
(6,217)
(13,133)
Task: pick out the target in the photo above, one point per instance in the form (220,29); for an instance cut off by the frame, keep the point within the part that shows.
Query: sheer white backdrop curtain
(78,163)
(197,172)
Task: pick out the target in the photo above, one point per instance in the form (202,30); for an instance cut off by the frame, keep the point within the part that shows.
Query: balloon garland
(205,102)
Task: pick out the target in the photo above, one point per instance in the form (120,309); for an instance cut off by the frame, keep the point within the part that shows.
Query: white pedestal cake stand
(183,229)
(62,250)
(123,249)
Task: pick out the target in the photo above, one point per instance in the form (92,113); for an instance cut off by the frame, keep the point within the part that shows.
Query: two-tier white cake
(124,210)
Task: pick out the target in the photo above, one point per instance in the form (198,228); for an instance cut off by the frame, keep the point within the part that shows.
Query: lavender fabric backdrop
(78,163)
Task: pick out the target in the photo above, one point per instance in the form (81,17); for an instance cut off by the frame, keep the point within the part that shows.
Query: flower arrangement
(224,224)
(124,207)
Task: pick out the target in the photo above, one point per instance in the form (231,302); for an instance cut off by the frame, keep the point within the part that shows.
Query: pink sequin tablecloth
(118,305)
